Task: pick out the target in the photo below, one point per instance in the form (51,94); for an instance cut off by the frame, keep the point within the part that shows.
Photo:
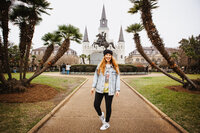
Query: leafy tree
(175,55)
(14,57)
(191,47)
(145,7)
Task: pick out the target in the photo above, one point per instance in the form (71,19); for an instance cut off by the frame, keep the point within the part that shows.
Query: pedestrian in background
(63,68)
(68,68)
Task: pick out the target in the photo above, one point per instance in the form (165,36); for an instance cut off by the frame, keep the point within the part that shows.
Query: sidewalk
(130,114)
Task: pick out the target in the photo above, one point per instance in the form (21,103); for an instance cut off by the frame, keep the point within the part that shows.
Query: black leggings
(108,101)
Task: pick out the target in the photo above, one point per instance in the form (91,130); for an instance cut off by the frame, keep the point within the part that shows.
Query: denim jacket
(99,81)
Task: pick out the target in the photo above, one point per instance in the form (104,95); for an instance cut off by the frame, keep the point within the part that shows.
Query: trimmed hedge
(83,68)
(91,68)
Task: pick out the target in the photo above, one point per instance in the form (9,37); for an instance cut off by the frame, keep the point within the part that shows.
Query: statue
(101,41)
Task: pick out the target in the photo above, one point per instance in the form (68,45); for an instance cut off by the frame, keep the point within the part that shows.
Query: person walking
(63,68)
(68,68)
(106,83)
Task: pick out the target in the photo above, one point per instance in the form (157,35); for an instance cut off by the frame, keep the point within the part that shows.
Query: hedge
(91,68)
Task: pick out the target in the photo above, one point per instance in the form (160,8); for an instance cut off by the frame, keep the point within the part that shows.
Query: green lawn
(21,117)
(182,107)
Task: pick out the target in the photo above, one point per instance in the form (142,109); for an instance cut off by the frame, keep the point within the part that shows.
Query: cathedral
(96,52)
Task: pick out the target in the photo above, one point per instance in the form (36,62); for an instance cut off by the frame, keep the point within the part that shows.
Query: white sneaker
(105,126)
(102,118)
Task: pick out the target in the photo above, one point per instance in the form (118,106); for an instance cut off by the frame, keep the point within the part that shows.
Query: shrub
(91,68)
(83,68)
(127,68)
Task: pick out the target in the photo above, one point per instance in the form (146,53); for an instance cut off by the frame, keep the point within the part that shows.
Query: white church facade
(96,52)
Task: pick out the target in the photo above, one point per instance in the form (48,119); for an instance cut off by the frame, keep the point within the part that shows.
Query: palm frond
(134,9)
(135,28)
(154,4)
(70,32)
(51,38)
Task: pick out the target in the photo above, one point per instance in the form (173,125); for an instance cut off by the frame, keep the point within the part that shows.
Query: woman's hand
(117,93)
(92,91)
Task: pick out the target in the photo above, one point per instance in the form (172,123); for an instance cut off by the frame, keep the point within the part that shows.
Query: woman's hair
(102,65)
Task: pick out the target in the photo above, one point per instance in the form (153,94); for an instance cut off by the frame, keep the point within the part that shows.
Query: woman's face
(108,57)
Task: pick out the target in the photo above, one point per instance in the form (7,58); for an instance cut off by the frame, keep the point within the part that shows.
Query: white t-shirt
(68,67)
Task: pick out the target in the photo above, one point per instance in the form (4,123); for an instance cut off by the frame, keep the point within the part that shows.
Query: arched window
(137,60)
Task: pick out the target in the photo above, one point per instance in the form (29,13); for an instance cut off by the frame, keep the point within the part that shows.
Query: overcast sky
(174,19)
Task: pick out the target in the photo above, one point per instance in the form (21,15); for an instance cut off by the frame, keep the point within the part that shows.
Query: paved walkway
(130,114)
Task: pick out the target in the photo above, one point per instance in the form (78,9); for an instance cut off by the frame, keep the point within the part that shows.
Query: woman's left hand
(117,93)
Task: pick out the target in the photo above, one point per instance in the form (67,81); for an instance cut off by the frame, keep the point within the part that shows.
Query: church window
(121,56)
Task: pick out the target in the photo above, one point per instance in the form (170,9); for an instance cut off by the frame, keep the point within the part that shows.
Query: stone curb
(50,114)
(163,115)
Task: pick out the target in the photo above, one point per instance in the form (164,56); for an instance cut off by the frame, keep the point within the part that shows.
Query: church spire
(103,21)
(121,36)
(85,39)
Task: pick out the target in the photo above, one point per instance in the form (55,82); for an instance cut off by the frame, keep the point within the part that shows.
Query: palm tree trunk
(29,42)
(141,51)
(2,77)
(46,56)
(61,51)
(157,41)
(83,60)
(4,8)
(22,46)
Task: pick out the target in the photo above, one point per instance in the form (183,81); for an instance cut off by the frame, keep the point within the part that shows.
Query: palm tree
(27,16)
(83,56)
(145,7)
(4,18)
(88,58)
(135,28)
(19,17)
(33,62)
(2,77)
(50,40)
(68,33)
(37,7)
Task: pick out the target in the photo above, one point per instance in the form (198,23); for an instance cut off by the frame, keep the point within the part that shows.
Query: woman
(106,83)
